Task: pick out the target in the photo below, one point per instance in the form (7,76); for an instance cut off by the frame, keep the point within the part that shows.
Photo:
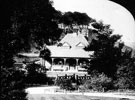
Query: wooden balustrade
(76,77)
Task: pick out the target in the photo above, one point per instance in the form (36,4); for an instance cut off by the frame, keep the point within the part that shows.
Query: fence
(74,77)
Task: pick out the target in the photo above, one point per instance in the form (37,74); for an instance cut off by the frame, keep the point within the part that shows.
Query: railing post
(64,61)
(85,76)
(51,69)
(76,64)
(52,61)
(65,76)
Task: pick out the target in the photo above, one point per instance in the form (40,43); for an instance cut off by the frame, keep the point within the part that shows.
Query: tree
(111,57)
(81,18)
(106,53)
(25,23)
(67,18)
(45,54)
(35,23)
(71,19)
(98,82)
(36,74)
(126,72)
(12,80)
(12,85)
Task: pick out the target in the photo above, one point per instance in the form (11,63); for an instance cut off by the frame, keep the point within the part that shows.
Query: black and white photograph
(67,49)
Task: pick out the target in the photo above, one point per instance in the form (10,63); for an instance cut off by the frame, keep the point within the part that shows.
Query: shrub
(99,82)
(124,83)
(36,74)
(66,84)
(126,73)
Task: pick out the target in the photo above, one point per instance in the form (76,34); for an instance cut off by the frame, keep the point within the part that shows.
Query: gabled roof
(63,53)
(70,40)
(69,53)
(74,39)
(80,44)
(66,44)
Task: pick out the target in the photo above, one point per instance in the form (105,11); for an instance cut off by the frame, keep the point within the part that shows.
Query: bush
(124,83)
(66,84)
(98,82)
(35,75)
(12,84)
(126,73)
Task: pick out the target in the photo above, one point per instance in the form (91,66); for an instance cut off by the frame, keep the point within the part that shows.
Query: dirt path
(38,92)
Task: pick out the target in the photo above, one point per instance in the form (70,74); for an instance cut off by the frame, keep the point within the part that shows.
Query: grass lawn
(68,97)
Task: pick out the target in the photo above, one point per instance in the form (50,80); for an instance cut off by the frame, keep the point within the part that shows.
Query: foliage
(34,23)
(106,52)
(12,81)
(98,82)
(71,19)
(110,58)
(12,85)
(66,84)
(45,54)
(36,74)
(126,72)
(25,23)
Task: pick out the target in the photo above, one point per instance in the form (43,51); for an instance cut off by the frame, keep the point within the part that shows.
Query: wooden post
(52,61)
(76,65)
(57,76)
(76,78)
(52,64)
(64,61)
(85,76)
(65,76)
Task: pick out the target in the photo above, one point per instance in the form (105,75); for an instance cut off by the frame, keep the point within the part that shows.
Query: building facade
(68,55)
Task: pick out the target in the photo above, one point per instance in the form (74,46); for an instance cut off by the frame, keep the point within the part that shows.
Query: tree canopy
(33,22)
(109,57)
(25,23)
(77,18)
(74,19)
(106,53)
(126,72)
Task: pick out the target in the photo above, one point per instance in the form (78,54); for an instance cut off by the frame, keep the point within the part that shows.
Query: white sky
(110,13)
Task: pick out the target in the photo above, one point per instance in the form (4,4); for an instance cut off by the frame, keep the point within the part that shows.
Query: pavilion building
(68,55)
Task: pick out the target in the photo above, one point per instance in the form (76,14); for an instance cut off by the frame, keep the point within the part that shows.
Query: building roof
(69,53)
(29,54)
(74,39)
(63,53)
(72,47)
